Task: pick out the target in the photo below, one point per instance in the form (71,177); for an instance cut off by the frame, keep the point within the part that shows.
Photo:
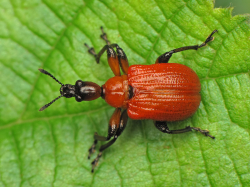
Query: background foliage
(239,7)
(50,148)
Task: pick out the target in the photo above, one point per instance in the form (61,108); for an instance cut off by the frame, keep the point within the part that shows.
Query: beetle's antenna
(47,73)
(47,105)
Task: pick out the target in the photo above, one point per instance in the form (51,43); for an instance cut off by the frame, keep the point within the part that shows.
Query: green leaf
(50,148)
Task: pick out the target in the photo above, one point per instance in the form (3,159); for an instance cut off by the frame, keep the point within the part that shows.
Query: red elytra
(161,92)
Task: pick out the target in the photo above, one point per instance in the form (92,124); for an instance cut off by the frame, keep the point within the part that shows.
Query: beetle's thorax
(117,92)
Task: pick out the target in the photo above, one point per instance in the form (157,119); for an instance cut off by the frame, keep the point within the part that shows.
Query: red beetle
(161,92)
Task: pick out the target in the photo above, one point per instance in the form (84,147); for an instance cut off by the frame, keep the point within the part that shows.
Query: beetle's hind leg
(117,124)
(164,58)
(163,127)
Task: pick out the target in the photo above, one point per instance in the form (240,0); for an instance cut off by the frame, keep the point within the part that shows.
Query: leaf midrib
(20,121)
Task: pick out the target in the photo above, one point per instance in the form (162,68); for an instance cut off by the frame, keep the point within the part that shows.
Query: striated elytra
(162,92)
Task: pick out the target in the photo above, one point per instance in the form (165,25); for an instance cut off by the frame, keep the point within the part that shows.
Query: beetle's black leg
(96,139)
(91,50)
(104,36)
(205,132)
(111,54)
(113,62)
(163,127)
(122,124)
(113,126)
(92,148)
(164,58)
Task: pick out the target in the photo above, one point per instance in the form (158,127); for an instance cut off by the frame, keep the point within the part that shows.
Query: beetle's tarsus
(104,36)
(92,149)
(95,162)
(91,50)
(205,132)
(209,39)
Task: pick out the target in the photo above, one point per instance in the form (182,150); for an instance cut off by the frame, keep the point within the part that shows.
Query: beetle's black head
(82,90)
(67,90)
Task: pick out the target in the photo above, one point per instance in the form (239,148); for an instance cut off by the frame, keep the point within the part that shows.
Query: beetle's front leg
(111,55)
(91,50)
(115,60)
(119,122)
(113,125)
(97,138)
(92,149)
(104,36)
(163,127)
